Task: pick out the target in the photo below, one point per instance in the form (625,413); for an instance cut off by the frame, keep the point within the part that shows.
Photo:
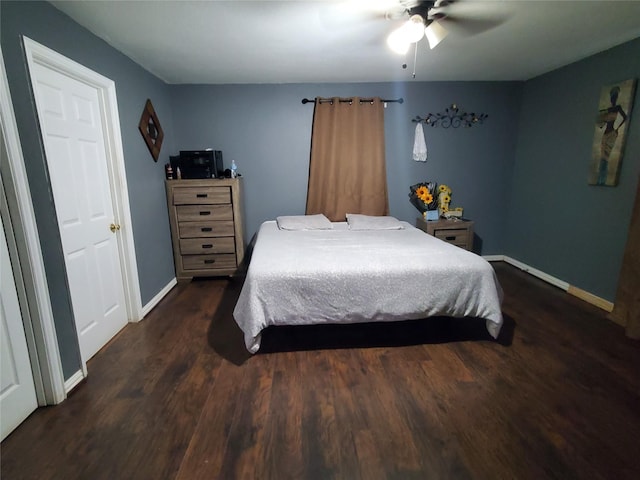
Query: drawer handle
(206,229)
(210,261)
(207,245)
(450,238)
(205,213)
(201,195)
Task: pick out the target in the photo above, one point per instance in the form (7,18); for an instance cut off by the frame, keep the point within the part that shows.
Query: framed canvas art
(612,125)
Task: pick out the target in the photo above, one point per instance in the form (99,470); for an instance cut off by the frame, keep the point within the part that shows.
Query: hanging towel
(419,145)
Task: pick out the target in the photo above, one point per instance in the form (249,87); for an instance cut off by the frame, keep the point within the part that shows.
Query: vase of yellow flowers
(444,198)
(423,196)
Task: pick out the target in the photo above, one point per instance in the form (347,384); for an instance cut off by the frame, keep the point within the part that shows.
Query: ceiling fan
(464,17)
(417,19)
(434,19)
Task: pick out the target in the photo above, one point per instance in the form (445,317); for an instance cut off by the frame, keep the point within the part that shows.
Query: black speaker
(217,155)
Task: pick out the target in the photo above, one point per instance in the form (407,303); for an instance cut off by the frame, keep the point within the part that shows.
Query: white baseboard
(155,300)
(570,289)
(73,381)
(537,273)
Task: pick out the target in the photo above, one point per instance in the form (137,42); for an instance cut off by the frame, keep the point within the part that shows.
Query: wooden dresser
(454,231)
(206,227)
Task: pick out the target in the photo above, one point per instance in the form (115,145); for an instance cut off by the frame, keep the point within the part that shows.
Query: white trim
(42,338)
(493,258)
(161,294)
(122,207)
(583,295)
(74,380)
(41,55)
(537,273)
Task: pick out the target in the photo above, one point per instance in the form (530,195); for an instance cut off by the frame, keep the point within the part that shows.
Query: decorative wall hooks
(452,117)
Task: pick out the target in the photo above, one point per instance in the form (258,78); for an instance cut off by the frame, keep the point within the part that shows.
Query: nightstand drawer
(455,236)
(194,213)
(223,228)
(456,232)
(201,195)
(190,246)
(205,262)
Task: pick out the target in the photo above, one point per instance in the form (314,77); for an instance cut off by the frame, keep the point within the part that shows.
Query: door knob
(114,227)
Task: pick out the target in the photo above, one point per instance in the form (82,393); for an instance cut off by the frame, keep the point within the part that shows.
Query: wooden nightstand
(454,231)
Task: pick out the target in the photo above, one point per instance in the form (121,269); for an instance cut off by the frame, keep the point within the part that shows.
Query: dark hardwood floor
(178,397)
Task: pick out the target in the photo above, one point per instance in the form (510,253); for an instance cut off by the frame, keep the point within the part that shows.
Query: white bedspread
(343,276)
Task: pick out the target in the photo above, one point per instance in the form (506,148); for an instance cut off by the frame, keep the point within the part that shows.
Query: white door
(17,391)
(69,113)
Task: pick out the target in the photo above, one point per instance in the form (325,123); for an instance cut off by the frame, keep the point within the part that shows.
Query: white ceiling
(296,41)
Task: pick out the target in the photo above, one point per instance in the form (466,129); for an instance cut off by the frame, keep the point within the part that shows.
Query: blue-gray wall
(557,223)
(43,23)
(267,131)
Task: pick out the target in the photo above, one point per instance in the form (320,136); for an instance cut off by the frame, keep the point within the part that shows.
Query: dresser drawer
(455,236)
(222,228)
(201,195)
(190,246)
(202,262)
(194,213)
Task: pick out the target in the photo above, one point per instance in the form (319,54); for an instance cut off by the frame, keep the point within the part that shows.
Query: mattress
(340,275)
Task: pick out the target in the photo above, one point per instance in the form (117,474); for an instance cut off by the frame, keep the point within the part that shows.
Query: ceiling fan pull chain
(415,60)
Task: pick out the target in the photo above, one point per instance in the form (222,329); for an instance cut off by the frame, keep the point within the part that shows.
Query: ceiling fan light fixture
(398,42)
(414,28)
(435,33)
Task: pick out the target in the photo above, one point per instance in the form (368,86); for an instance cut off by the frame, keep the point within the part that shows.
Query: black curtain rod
(346,100)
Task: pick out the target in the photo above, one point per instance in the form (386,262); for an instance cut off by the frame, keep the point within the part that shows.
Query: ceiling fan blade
(348,14)
(469,18)
(468,27)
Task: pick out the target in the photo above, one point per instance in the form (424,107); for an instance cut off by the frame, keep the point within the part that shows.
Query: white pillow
(304,222)
(368,222)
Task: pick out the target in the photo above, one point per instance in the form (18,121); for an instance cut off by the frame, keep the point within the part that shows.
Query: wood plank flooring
(178,397)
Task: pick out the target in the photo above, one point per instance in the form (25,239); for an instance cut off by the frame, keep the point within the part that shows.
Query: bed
(343,274)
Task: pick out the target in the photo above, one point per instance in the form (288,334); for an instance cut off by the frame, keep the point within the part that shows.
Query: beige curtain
(347,172)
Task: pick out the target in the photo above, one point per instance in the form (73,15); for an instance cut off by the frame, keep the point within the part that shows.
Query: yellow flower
(445,199)
(426,198)
(443,188)
(421,191)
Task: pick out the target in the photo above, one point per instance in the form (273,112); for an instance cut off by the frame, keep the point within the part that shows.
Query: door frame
(33,295)
(106,88)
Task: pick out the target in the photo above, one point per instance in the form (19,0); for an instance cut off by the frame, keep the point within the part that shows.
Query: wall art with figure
(612,125)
